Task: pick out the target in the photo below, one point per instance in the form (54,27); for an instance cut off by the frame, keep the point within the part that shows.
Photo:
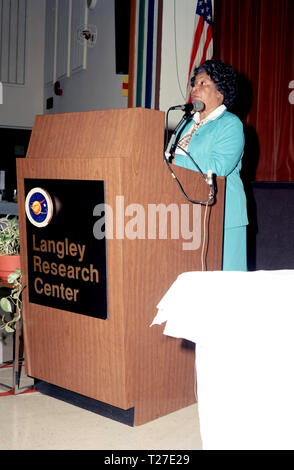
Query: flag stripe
(145,53)
(132,54)
(202,48)
(149,63)
(207,43)
(154,61)
(158,53)
(199,55)
(198,34)
(140,53)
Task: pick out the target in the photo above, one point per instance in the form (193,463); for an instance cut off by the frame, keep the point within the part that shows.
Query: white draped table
(243,327)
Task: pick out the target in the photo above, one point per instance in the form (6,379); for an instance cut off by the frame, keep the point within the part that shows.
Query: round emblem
(39,207)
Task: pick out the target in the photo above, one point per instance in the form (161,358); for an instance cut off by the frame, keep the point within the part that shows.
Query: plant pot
(8,264)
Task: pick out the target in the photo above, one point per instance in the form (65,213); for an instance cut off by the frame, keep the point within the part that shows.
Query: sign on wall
(66,263)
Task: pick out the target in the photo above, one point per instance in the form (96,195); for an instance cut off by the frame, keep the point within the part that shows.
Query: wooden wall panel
(13,17)
(63,39)
(64,52)
(78,51)
(50,52)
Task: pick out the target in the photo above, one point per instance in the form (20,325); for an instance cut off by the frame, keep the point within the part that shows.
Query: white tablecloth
(243,327)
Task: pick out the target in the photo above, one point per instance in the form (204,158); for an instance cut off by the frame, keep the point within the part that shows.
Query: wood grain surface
(121,361)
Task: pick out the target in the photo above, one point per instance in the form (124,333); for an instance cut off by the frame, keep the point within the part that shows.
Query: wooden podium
(119,361)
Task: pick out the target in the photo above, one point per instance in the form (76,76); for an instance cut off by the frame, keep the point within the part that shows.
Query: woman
(215,140)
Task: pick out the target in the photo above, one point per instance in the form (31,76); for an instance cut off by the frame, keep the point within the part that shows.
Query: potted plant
(9,246)
(11,304)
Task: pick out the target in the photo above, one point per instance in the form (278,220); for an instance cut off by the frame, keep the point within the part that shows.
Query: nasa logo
(39,207)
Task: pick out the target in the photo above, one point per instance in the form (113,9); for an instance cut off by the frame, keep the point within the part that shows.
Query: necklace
(184,141)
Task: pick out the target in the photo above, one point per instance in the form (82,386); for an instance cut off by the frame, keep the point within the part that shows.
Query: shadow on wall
(242,108)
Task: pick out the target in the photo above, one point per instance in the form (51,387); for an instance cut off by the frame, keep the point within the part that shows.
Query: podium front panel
(117,358)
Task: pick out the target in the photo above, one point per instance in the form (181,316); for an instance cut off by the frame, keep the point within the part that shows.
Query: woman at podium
(215,140)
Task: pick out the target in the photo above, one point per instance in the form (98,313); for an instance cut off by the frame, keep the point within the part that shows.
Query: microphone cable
(166,155)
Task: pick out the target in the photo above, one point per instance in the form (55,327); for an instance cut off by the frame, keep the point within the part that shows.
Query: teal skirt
(235,249)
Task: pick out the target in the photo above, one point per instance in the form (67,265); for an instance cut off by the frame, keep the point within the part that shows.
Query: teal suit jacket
(218,146)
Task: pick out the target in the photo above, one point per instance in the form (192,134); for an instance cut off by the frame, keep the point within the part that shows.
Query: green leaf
(13,277)
(8,329)
(5,304)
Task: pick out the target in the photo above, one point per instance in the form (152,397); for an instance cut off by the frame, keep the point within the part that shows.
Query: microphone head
(198,105)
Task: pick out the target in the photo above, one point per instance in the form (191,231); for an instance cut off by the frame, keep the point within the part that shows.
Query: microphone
(195,106)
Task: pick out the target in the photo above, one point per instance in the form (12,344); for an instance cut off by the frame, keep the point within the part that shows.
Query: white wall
(22,102)
(97,86)
(177,39)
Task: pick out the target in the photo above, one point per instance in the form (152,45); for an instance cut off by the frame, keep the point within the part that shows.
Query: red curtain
(257,38)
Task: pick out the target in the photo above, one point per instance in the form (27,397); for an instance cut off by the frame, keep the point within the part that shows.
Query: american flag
(202,48)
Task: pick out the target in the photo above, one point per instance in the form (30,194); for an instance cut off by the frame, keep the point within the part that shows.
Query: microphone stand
(186,117)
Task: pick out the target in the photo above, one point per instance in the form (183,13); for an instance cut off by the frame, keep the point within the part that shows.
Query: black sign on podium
(66,263)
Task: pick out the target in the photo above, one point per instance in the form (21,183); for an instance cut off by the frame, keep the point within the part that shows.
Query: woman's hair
(223,75)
